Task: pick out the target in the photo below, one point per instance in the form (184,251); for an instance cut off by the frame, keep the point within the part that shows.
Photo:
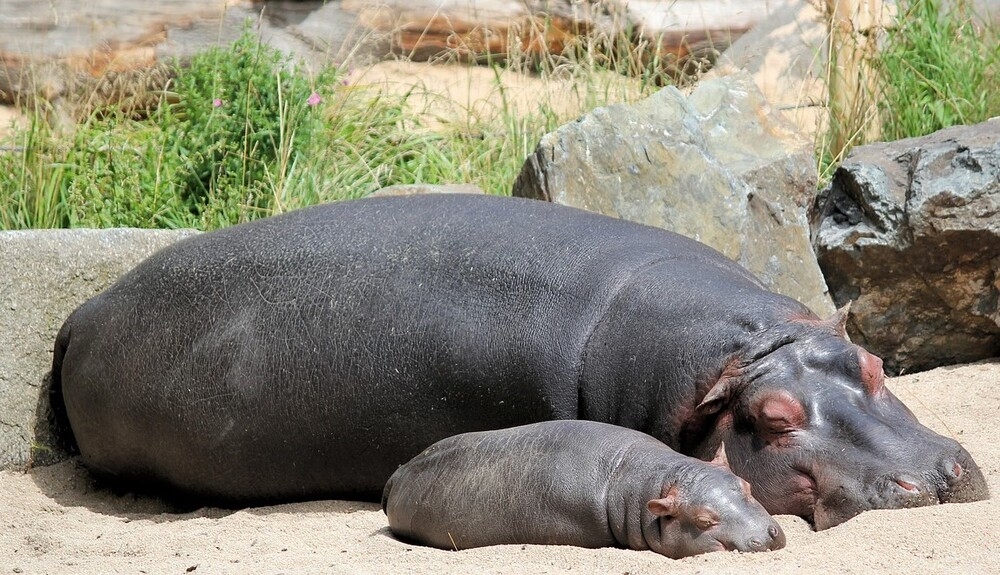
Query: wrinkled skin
(574,483)
(310,354)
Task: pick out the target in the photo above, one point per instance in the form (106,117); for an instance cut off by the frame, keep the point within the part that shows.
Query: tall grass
(940,68)
(936,67)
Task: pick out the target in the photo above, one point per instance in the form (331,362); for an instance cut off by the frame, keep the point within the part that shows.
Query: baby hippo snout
(772,540)
(744,524)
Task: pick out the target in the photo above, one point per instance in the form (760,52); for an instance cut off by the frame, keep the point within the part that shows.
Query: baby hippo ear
(720,459)
(668,505)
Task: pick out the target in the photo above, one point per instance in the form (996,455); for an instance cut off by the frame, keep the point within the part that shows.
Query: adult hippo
(308,355)
(572,482)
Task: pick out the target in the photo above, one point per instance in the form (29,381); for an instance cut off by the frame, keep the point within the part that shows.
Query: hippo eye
(776,415)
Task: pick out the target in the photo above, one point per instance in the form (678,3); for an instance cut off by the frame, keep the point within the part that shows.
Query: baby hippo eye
(705,522)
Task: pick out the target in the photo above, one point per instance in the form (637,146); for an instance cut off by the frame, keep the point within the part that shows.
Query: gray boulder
(720,166)
(910,232)
(46,275)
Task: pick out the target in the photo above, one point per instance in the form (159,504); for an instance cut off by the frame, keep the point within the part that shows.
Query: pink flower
(314,99)
(217,103)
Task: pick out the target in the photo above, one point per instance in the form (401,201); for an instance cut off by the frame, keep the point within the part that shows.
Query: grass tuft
(940,68)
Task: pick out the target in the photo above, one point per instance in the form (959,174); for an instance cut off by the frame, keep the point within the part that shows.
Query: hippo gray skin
(577,483)
(310,354)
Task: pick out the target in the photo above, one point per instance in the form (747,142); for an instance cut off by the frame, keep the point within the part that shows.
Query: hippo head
(807,419)
(710,510)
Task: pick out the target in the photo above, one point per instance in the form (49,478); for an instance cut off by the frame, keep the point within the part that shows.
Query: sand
(11,119)
(57,520)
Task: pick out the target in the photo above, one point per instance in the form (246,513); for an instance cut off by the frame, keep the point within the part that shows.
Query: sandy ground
(453,94)
(56,520)
(10,119)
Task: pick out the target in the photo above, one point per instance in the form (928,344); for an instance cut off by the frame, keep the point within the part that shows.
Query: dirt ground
(56,520)
(10,117)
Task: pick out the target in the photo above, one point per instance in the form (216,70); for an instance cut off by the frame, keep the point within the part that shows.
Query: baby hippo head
(709,509)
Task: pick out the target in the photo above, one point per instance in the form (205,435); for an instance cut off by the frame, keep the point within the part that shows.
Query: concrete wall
(44,276)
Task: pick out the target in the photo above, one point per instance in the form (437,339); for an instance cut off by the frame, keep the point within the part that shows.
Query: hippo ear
(720,459)
(729,385)
(838,321)
(872,375)
(668,505)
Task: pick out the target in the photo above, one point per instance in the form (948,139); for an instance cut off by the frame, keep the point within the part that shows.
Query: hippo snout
(963,480)
(954,478)
(774,540)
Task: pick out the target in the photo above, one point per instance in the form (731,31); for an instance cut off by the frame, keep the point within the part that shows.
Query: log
(675,30)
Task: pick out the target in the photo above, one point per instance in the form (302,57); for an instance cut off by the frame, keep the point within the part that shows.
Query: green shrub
(119,173)
(246,115)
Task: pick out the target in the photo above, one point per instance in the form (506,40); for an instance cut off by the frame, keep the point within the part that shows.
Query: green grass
(939,68)
(935,68)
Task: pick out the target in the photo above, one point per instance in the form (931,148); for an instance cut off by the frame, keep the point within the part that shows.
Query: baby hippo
(577,483)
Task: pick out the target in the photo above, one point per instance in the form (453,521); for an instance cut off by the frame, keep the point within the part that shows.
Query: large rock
(719,166)
(46,275)
(910,232)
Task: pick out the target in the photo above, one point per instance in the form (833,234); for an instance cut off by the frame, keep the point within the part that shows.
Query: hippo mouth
(804,498)
(723,546)
(898,491)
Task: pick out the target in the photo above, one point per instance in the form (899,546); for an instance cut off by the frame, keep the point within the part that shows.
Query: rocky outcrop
(719,165)
(47,274)
(422,29)
(910,232)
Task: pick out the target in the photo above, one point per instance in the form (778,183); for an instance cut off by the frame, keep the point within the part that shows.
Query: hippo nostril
(956,471)
(777,536)
(908,486)
(756,544)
